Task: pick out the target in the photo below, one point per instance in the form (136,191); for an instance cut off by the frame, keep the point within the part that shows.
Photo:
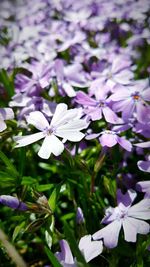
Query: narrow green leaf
(8,163)
(18,229)
(7,82)
(54,197)
(44,187)
(28,180)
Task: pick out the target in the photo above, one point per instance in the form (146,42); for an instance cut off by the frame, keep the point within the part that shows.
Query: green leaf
(18,229)
(7,82)
(54,197)
(44,187)
(8,163)
(6,179)
(28,180)
(52,258)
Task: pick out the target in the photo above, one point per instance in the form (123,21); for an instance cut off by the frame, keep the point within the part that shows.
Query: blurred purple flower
(40,78)
(5,114)
(131,218)
(144,187)
(13,202)
(117,72)
(65,124)
(70,76)
(79,216)
(144,165)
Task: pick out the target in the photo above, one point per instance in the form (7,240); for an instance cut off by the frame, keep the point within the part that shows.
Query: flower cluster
(75,75)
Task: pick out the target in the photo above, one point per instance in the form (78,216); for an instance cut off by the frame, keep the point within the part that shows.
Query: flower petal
(65,255)
(124,143)
(28,139)
(128,109)
(89,248)
(70,135)
(110,115)
(59,113)
(144,165)
(121,94)
(84,99)
(132,227)
(70,130)
(51,144)
(140,210)
(2,125)
(109,234)
(38,120)
(6,113)
(108,139)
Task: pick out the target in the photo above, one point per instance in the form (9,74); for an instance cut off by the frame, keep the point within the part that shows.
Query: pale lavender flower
(131,218)
(5,114)
(117,72)
(65,124)
(144,187)
(66,78)
(132,99)
(90,249)
(144,165)
(33,85)
(96,107)
(13,202)
(65,257)
(73,38)
(142,129)
(111,138)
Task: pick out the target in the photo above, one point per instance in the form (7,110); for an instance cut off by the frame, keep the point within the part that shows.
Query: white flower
(65,124)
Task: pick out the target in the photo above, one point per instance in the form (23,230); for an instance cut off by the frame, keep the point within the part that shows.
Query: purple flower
(142,129)
(30,104)
(111,138)
(5,114)
(65,124)
(66,78)
(79,216)
(117,72)
(90,249)
(94,108)
(144,165)
(65,257)
(144,187)
(33,85)
(131,218)
(132,99)
(13,202)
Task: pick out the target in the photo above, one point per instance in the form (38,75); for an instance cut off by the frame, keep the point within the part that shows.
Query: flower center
(109,132)
(136,96)
(49,131)
(101,104)
(121,214)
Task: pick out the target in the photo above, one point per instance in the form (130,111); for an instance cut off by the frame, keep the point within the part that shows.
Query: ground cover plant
(74,133)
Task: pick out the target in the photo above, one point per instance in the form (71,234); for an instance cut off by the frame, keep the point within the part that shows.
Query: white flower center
(49,130)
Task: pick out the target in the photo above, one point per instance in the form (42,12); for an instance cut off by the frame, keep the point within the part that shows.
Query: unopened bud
(13,202)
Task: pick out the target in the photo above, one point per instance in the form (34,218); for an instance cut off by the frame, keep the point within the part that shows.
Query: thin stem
(11,250)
